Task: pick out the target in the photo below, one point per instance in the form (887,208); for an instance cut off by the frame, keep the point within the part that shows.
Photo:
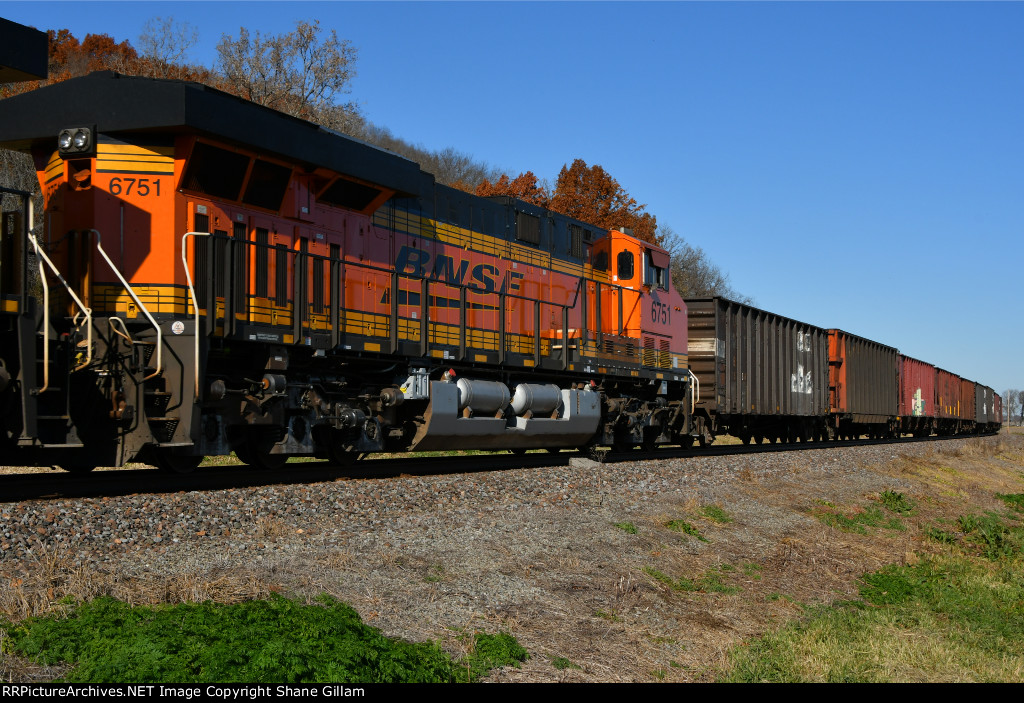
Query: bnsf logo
(483,277)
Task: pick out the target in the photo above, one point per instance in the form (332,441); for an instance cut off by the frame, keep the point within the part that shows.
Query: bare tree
(167,42)
(1020,406)
(1011,403)
(694,275)
(298,72)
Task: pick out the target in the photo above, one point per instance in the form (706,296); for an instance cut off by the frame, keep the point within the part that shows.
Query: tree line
(307,73)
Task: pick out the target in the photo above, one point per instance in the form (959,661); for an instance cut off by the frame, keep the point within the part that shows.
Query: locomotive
(211,276)
(215,276)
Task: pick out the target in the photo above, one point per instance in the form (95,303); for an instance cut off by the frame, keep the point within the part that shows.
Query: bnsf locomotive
(212,276)
(215,276)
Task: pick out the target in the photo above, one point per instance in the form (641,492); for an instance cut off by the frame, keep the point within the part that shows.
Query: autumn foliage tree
(525,186)
(589,193)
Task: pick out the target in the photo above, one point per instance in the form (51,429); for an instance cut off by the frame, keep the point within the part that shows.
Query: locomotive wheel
(339,451)
(171,463)
(255,451)
(518,451)
(758,439)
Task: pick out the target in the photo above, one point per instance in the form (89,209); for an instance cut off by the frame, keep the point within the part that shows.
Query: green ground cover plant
(276,640)
(686,528)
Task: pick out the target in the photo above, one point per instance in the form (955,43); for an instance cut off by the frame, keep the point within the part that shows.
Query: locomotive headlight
(76,141)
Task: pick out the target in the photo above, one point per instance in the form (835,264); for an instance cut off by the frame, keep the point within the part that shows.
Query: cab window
(625,265)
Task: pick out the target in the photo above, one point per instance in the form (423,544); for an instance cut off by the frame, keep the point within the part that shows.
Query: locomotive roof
(117,103)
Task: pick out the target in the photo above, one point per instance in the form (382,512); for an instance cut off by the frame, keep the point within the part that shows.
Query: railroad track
(16,487)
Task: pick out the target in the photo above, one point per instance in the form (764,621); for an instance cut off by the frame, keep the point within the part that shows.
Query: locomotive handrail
(694,391)
(46,308)
(195,305)
(46,304)
(143,308)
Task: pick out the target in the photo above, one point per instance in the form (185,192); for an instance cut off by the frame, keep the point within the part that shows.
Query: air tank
(536,398)
(482,396)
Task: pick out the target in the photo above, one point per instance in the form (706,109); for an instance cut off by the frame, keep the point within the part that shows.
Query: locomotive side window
(354,196)
(217,172)
(527,228)
(267,185)
(657,270)
(601,261)
(625,265)
(262,262)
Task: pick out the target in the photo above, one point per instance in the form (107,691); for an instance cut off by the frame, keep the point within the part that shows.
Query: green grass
(896,502)
(1014,501)
(276,640)
(956,616)
(716,513)
(859,519)
(709,582)
(561,663)
(686,528)
(626,527)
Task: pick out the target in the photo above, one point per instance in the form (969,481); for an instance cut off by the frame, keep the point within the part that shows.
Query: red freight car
(917,397)
(947,401)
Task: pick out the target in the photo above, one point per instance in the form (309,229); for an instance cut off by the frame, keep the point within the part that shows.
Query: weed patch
(709,582)
(276,640)
(1014,501)
(686,528)
(896,502)
(626,527)
(716,513)
(859,519)
(561,663)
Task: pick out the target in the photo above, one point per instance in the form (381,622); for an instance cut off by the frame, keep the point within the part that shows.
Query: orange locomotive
(215,276)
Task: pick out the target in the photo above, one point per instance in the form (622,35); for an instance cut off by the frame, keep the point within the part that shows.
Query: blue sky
(853,165)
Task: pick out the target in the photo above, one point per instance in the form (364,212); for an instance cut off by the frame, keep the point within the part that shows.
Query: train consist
(213,276)
(764,377)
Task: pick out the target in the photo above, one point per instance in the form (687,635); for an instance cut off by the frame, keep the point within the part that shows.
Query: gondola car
(215,276)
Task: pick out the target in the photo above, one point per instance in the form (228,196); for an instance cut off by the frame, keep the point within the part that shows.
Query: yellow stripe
(54,168)
(135,149)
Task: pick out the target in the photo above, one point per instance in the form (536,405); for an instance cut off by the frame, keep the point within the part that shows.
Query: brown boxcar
(917,397)
(966,415)
(997,402)
(761,375)
(863,385)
